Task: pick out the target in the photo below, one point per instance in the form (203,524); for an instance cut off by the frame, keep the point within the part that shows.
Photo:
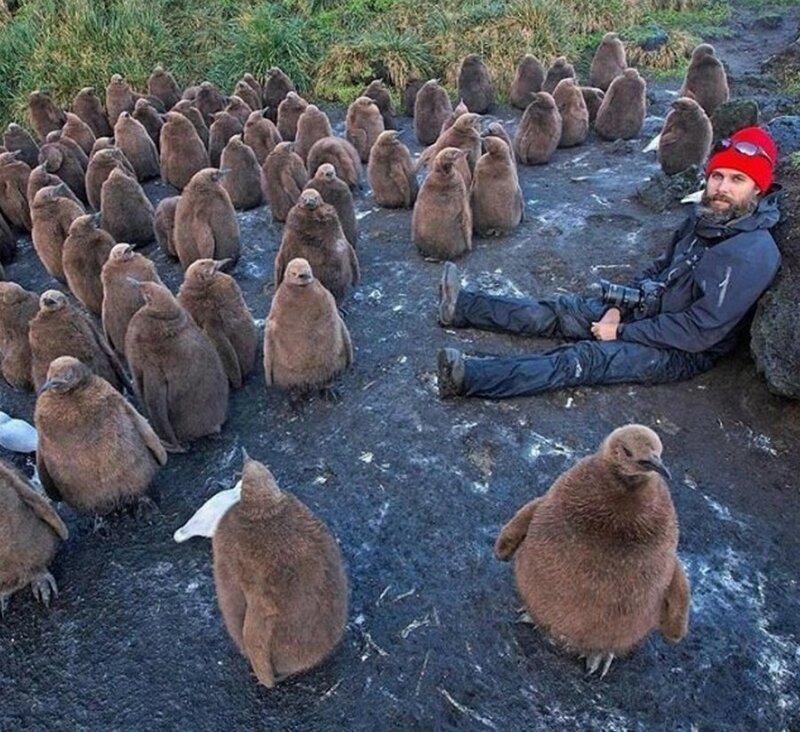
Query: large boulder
(774,340)
(732,116)
(786,131)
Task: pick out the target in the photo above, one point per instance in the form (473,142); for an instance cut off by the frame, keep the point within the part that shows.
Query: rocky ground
(416,491)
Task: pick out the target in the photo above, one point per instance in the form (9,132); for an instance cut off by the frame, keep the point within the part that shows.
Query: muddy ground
(416,491)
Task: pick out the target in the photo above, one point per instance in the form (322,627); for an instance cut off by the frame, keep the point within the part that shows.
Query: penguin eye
(627,451)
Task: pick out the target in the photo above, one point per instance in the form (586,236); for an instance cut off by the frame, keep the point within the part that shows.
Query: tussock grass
(330,48)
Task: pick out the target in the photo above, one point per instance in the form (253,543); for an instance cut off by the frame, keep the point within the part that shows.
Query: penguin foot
(174,446)
(146,510)
(343,311)
(330,394)
(594,660)
(100,527)
(524,617)
(44,587)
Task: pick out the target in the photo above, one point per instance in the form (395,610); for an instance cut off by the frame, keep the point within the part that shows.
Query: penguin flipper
(40,507)
(154,396)
(674,623)
(515,531)
(148,435)
(259,621)
(46,479)
(227,354)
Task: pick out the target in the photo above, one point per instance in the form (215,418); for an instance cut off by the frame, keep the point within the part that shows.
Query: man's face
(729,194)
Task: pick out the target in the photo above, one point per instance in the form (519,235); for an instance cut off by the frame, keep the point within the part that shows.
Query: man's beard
(724,215)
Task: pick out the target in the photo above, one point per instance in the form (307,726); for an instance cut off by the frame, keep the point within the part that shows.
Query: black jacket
(705,305)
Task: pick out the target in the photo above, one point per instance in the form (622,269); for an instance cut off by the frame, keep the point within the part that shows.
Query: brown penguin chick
(14,178)
(177,373)
(183,153)
(261,135)
(96,452)
(192,113)
(121,296)
(102,143)
(458,110)
(40,178)
(573,111)
(496,129)
(60,160)
(306,342)
(475,85)
(70,146)
(147,115)
(442,220)
(209,100)
(164,225)
(8,245)
(222,129)
(62,330)
(559,69)
(593,98)
(495,197)
(18,139)
(340,154)
(162,84)
(243,180)
(126,212)
(215,302)
(52,215)
(205,220)
(87,105)
(84,253)
(608,62)
(313,232)
(312,125)
(595,557)
(132,138)
(337,193)
(685,138)
(363,124)
(621,115)
(289,111)
(412,87)
(276,86)
(706,79)
(100,167)
(29,532)
(539,131)
(119,98)
(76,129)
(247,94)
(528,81)
(431,108)
(280,579)
(283,177)
(239,109)
(464,135)
(391,172)
(190,93)
(377,91)
(43,113)
(254,84)
(17,308)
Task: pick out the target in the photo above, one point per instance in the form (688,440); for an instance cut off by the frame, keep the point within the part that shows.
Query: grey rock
(768,21)
(786,131)
(732,116)
(654,38)
(652,126)
(663,191)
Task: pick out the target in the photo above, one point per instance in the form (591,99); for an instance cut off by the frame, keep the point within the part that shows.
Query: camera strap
(688,264)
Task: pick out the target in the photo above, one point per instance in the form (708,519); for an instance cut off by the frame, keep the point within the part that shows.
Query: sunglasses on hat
(750,149)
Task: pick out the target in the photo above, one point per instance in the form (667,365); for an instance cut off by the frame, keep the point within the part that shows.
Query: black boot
(449,288)
(450,367)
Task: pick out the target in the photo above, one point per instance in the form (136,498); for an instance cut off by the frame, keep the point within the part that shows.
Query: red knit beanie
(756,166)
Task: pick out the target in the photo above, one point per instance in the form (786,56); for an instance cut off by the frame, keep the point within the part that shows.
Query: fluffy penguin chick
(177,373)
(539,131)
(621,113)
(306,342)
(391,172)
(217,305)
(205,220)
(96,452)
(183,152)
(431,108)
(442,220)
(475,85)
(595,557)
(17,308)
(337,193)
(84,253)
(496,198)
(243,180)
(363,125)
(280,579)
(686,137)
(283,177)
(314,233)
(608,62)
(52,215)
(706,79)
(126,212)
(527,81)
(62,330)
(29,532)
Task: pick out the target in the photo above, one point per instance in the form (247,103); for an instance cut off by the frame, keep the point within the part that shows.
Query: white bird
(207,517)
(695,197)
(17,435)
(653,144)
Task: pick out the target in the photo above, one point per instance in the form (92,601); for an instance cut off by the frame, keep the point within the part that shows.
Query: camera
(645,298)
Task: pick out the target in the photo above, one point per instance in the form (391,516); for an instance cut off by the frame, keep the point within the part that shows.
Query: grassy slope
(331,48)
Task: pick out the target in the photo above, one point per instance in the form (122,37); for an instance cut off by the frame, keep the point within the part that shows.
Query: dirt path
(416,490)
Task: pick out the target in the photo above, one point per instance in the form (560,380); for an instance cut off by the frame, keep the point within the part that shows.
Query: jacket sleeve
(731,283)
(660,263)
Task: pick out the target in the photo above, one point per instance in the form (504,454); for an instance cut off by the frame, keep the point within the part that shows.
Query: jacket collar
(765,216)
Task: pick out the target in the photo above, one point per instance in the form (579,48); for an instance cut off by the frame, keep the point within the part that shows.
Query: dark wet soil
(416,491)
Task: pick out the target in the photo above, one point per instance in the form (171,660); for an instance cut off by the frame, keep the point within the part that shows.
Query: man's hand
(605,329)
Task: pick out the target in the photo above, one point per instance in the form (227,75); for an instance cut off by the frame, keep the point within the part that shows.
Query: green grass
(330,48)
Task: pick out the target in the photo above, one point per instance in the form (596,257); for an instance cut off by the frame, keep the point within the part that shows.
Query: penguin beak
(654,464)
(222,265)
(50,384)
(96,219)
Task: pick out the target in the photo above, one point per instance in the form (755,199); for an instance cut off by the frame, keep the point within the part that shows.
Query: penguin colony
(77,189)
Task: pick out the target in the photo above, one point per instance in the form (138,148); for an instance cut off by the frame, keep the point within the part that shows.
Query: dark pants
(585,363)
